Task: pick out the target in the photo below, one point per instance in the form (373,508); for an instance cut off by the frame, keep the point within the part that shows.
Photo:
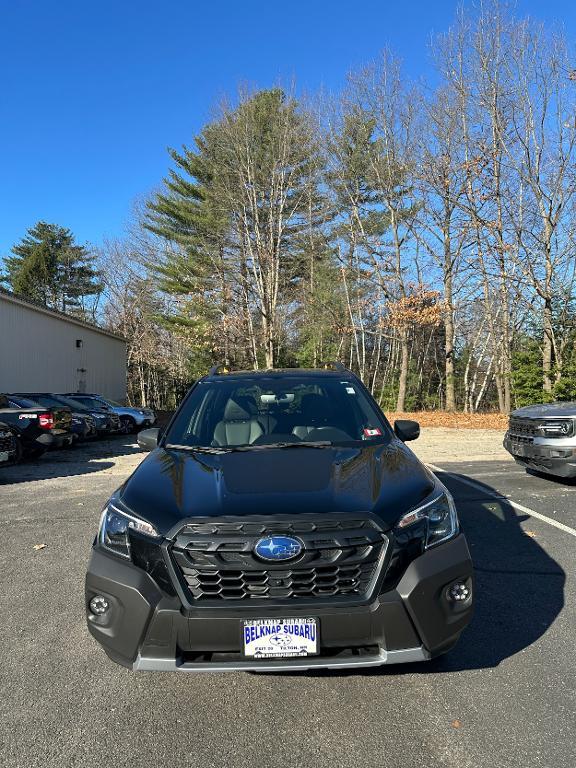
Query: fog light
(459,592)
(99,605)
(560,454)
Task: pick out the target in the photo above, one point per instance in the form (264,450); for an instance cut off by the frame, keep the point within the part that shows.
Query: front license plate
(280,638)
(4,456)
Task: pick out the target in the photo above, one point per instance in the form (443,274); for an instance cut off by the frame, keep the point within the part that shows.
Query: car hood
(171,486)
(546,411)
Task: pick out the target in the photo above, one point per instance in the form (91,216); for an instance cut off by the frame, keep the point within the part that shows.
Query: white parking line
(496,474)
(519,507)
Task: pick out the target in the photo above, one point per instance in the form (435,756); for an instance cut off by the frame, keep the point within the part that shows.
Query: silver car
(131,419)
(543,438)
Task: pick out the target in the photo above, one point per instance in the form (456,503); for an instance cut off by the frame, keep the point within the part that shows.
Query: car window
(264,410)
(22,402)
(100,403)
(90,402)
(47,401)
(75,403)
(70,403)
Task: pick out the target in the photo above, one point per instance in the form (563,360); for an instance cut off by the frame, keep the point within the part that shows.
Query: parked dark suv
(278,523)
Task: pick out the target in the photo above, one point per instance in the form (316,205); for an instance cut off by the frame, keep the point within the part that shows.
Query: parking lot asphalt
(505,697)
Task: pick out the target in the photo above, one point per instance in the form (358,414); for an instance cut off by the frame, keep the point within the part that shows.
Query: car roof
(29,394)
(280,373)
(82,394)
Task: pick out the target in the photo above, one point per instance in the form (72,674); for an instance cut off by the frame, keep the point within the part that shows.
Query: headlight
(114,527)
(441,517)
(556,428)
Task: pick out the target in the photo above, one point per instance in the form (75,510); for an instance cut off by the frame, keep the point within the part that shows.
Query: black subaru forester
(279,523)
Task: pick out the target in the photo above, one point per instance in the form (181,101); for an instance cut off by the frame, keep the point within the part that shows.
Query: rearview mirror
(407,430)
(148,438)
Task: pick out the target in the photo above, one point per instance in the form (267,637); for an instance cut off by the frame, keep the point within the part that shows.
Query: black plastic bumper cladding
(543,458)
(144,620)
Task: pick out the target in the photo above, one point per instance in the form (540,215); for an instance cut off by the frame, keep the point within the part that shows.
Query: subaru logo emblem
(278,548)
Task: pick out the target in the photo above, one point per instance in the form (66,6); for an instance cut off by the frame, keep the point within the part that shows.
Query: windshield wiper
(303,444)
(199,448)
(234,448)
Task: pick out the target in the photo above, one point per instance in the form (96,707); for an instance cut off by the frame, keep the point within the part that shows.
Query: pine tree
(234,214)
(50,268)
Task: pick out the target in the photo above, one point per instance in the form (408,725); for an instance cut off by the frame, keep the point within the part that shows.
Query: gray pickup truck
(543,438)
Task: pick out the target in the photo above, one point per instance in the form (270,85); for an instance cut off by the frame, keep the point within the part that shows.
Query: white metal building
(44,350)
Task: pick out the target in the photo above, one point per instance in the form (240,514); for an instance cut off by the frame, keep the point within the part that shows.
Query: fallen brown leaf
(454,420)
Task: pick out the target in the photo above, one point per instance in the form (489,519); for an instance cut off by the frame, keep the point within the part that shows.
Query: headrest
(316,407)
(240,408)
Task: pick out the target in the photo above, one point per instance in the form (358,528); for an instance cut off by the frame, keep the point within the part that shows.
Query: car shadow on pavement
(562,481)
(82,459)
(519,587)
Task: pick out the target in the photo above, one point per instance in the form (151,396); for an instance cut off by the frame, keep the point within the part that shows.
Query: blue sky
(92,93)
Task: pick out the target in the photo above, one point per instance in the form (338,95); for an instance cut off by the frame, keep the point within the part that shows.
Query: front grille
(522,430)
(340,558)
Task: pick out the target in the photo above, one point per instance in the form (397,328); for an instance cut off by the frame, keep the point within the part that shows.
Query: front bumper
(62,438)
(143,421)
(148,629)
(555,456)
(45,441)
(80,431)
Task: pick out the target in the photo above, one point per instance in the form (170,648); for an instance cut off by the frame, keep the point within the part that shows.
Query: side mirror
(148,438)
(406,430)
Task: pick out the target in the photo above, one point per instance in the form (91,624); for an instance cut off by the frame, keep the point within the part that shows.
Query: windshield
(24,402)
(271,410)
(91,403)
(48,401)
(113,403)
(74,404)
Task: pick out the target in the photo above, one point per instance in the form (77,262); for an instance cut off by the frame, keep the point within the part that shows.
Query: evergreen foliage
(48,267)
(236,213)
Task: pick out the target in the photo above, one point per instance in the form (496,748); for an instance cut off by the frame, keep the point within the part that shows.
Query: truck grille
(217,562)
(522,430)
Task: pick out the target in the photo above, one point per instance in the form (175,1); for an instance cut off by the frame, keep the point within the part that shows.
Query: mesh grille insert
(217,562)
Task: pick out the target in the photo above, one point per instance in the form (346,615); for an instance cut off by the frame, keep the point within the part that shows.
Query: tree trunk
(403,379)
(449,344)
(268,333)
(547,325)
(547,345)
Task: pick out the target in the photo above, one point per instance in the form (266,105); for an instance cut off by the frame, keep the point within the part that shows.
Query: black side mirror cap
(407,430)
(148,438)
